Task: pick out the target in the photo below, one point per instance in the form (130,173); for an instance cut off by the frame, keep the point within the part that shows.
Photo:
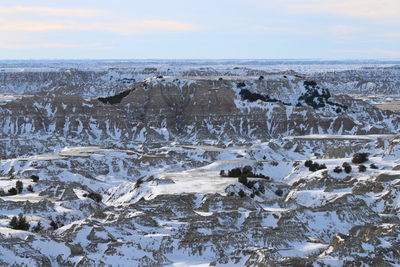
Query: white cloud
(20,26)
(51,11)
(350,8)
(341,29)
(368,9)
(122,27)
(392,34)
(19,46)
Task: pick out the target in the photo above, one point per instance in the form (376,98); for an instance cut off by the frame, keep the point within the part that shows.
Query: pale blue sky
(177,29)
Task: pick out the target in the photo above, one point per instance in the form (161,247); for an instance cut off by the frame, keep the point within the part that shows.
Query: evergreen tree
(360,157)
(242,179)
(14,222)
(12,191)
(19,223)
(19,186)
(35,178)
(22,222)
(54,225)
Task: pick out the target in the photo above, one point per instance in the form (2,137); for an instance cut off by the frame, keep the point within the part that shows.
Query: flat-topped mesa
(192,109)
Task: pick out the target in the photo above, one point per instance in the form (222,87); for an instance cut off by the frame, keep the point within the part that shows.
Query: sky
(205,29)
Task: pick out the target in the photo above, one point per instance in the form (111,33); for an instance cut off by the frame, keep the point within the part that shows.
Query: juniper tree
(19,186)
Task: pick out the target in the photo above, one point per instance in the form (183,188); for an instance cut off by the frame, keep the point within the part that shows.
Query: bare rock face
(167,109)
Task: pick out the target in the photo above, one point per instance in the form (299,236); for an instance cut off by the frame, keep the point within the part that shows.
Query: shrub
(345,164)
(347,168)
(240,85)
(322,167)
(338,169)
(261,78)
(19,185)
(241,193)
(362,168)
(19,223)
(373,166)
(54,225)
(247,170)
(222,173)
(138,183)
(279,192)
(30,188)
(308,163)
(314,166)
(2,193)
(250,184)
(96,197)
(243,179)
(35,178)
(14,222)
(236,172)
(360,158)
(12,191)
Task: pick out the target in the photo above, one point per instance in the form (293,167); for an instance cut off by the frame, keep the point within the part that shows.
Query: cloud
(51,11)
(122,27)
(23,19)
(351,8)
(392,34)
(368,9)
(341,29)
(19,46)
(283,30)
(20,28)
(143,26)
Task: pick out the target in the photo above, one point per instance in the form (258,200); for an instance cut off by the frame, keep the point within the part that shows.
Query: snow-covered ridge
(93,79)
(192,110)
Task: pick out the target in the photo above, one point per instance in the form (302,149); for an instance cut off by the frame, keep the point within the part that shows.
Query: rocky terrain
(211,167)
